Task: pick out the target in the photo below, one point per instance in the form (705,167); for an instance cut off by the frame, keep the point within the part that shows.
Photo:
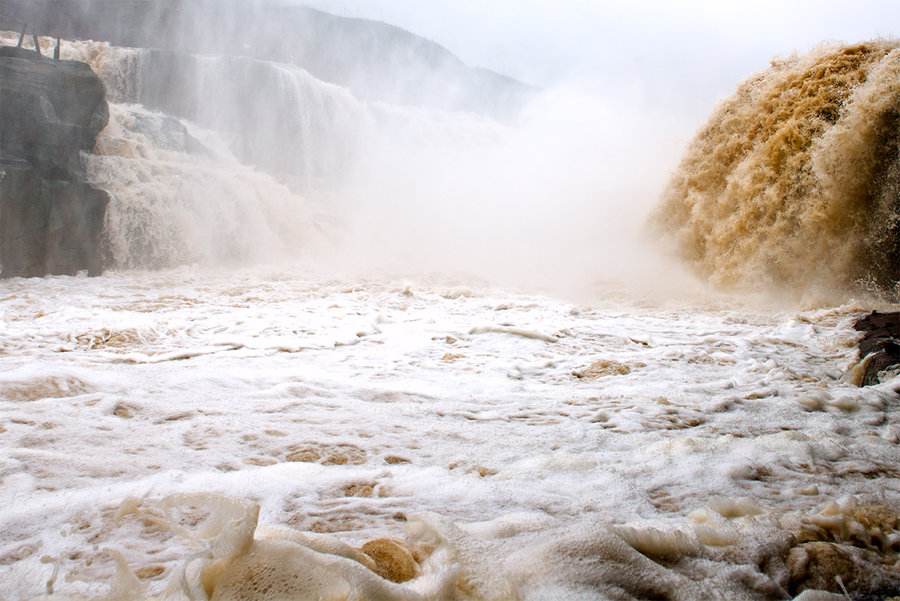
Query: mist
(563,196)
(556,200)
(390,152)
(387,152)
(621,90)
(686,54)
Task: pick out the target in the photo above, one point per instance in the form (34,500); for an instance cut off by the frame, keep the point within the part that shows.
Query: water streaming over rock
(177,199)
(795,180)
(200,170)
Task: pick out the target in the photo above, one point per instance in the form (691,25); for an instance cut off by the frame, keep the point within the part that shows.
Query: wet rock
(879,348)
(393,561)
(49,226)
(51,221)
(59,108)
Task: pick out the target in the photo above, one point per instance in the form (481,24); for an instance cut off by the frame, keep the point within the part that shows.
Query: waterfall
(219,158)
(795,180)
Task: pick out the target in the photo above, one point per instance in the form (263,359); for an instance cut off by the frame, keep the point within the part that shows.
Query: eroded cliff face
(51,221)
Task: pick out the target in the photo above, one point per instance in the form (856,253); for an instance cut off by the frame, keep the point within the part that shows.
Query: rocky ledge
(51,220)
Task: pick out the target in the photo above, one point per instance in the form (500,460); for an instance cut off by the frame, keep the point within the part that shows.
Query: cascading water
(178,200)
(795,180)
(201,171)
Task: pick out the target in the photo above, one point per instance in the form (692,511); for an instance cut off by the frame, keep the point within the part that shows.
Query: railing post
(22,36)
(58,49)
(37,43)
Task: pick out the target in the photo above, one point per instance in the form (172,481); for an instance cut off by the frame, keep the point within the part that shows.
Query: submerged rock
(51,221)
(879,348)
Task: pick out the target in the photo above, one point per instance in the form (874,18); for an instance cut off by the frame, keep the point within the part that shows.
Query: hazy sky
(686,52)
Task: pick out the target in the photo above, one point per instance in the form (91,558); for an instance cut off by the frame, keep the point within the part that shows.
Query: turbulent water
(525,448)
(795,180)
(214,429)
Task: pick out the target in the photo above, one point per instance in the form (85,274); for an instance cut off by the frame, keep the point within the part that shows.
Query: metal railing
(11,25)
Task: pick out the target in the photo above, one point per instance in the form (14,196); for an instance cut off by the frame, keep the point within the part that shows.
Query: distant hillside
(375,60)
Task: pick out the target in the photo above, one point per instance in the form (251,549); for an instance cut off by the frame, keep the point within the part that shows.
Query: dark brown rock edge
(879,348)
(51,220)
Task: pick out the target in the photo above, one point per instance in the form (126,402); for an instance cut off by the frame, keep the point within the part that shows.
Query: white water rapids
(352,407)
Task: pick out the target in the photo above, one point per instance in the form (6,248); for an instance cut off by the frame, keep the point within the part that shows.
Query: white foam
(356,440)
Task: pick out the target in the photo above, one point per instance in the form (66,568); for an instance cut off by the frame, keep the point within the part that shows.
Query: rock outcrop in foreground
(51,221)
(879,348)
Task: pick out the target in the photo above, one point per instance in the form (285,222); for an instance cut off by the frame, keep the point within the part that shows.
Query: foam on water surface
(516,446)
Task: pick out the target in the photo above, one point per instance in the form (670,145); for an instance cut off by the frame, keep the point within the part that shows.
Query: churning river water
(547,449)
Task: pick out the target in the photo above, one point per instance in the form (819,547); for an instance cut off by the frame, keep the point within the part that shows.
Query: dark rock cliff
(51,221)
